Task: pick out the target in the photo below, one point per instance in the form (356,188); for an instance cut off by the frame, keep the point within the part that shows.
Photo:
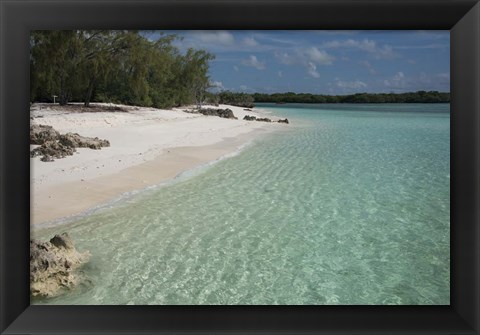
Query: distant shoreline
(407,97)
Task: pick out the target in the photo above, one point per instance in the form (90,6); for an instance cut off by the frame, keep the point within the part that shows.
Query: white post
(54,98)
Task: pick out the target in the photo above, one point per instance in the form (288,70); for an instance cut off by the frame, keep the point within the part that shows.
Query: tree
(120,66)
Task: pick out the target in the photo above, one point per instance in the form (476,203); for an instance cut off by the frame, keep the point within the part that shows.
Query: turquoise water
(350,206)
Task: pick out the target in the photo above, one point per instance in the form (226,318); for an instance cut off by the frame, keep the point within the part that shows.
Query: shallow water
(351,206)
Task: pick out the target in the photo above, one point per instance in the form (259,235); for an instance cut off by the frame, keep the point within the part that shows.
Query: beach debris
(54,145)
(53,266)
(283,121)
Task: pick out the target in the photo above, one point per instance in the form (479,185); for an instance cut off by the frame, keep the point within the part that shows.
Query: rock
(249,118)
(77,141)
(247,109)
(283,121)
(54,145)
(264,120)
(53,265)
(40,134)
(225,113)
(52,149)
(47,158)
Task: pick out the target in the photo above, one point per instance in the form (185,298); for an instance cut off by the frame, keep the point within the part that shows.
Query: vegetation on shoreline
(247,100)
(116,66)
(410,97)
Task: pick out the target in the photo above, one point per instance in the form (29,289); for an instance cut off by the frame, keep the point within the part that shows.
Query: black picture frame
(18,17)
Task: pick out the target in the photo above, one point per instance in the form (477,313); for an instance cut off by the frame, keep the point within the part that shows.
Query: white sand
(147,146)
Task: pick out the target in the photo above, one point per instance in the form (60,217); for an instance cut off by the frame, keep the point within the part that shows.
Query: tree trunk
(63,95)
(88,95)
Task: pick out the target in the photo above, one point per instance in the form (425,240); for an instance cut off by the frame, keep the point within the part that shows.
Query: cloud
(366,45)
(235,68)
(422,81)
(252,61)
(280,74)
(369,67)
(286,58)
(312,70)
(215,37)
(319,56)
(244,88)
(397,81)
(250,41)
(308,57)
(216,86)
(357,84)
(304,56)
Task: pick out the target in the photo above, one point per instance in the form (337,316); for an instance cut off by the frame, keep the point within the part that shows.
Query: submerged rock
(40,134)
(53,265)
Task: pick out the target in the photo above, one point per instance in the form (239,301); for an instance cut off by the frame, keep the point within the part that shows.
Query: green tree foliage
(115,66)
(236,99)
(410,97)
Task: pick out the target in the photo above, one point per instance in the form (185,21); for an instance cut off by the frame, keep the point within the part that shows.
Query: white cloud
(366,45)
(280,74)
(235,68)
(250,41)
(397,81)
(422,81)
(357,84)
(252,61)
(243,88)
(312,70)
(304,56)
(319,56)
(308,57)
(215,37)
(216,86)
(286,58)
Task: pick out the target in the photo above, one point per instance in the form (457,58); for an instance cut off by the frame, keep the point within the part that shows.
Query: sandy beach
(147,146)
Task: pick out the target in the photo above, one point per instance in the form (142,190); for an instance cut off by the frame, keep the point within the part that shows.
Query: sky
(324,62)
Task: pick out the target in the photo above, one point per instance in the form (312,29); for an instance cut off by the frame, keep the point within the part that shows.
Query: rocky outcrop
(52,149)
(76,141)
(249,118)
(53,266)
(225,113)
(40,134)
(264,119)
(253,118)
(53,145)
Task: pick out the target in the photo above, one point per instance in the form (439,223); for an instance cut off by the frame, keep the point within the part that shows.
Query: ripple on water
(352,208)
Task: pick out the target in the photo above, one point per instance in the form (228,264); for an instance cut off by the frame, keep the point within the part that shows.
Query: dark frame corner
(461,17)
